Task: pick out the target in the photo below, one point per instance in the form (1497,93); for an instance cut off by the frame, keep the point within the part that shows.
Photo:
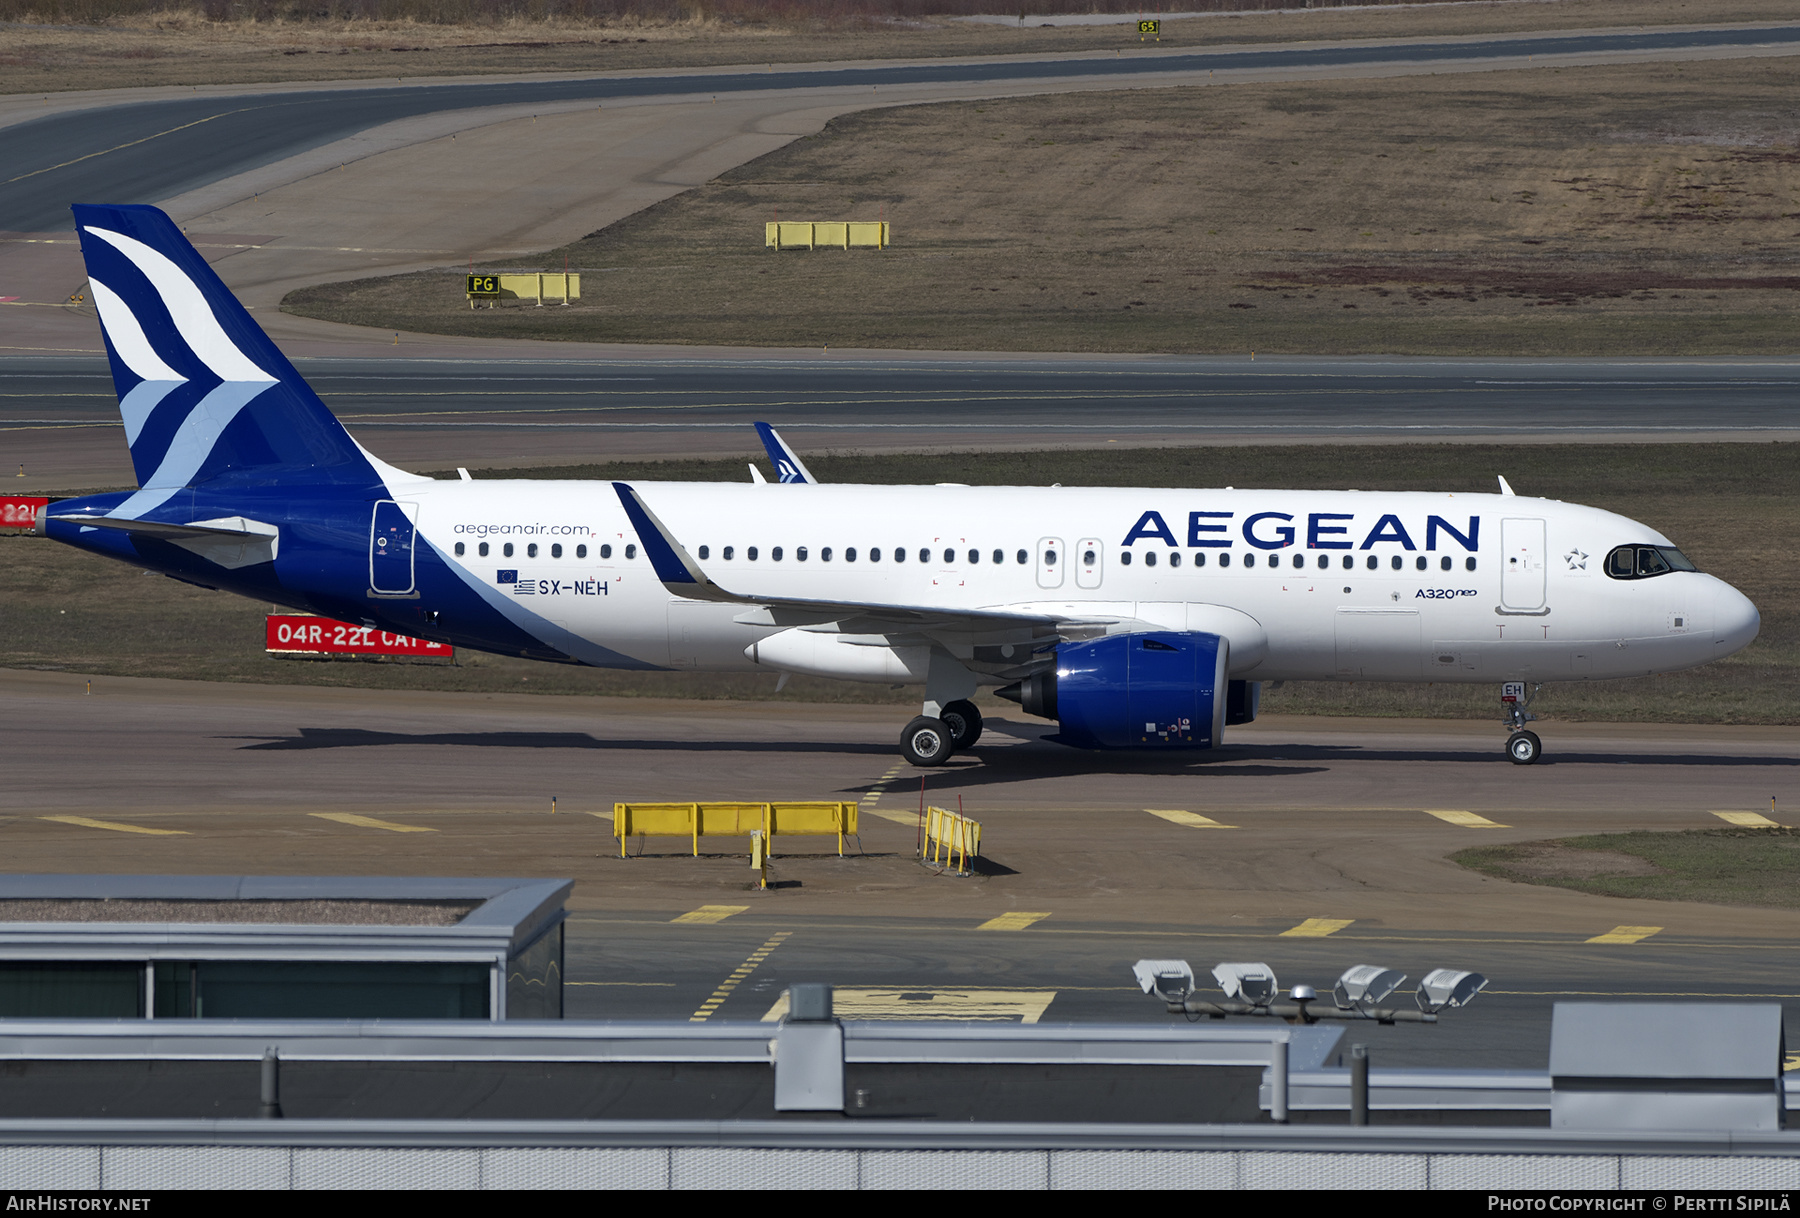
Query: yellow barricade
(831,234)
(949,835)
(559,285)
(698,820)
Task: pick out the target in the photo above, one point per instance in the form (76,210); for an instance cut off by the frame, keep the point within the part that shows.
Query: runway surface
(1328,845)
(147,152)
(59,415)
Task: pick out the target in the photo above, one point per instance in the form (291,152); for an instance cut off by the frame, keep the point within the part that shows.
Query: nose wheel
(1522,747)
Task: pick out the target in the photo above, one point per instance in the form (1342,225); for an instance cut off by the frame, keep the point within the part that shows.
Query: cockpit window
(1642,562)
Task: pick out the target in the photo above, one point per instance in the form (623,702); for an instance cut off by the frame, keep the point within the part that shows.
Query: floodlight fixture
(1251,983)
(1448,987)
(1169,980)
(1365,983)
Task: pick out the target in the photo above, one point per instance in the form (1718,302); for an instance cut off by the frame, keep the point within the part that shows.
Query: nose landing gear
(1522,747)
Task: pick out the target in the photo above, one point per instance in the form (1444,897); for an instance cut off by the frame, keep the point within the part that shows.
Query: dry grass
(48,46)
(1758,867)
(63,609)
(1643,209)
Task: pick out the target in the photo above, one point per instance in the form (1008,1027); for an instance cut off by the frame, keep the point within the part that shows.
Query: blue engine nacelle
(1157,689)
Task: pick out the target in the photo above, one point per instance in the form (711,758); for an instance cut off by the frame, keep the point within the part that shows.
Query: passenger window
(1299,561)
(1224,559)
(1373,562)
(974,557)
(750,553)
(1349,562)
(799,554)
(506,549)
(999,557)
(825,554)
(727,552)
(1469,563)
(1088,557)
(1274,560)
(875,554)
(482,549)
(556,550)
(899,553)
(1444,563)
(531,550)
(459,549)
(1024,558)
(1150,559)
(949,557)
(1199,558)
(1124,558)
(1175,559)
(775,554)
(1420,563)
(850,554)
(630,551)
(605,551)
(705,551)
(580,551)
(1049,558)
(1395,562)
(1324,561)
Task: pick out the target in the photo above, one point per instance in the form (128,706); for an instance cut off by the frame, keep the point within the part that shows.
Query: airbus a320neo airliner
(1136,619)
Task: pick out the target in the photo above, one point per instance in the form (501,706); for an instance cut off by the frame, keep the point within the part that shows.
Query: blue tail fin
(206,397)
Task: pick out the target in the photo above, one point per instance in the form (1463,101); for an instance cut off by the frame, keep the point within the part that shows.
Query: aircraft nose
(1735,620)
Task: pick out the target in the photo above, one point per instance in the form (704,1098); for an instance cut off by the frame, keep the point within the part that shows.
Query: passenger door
(1521,565)
(391,538)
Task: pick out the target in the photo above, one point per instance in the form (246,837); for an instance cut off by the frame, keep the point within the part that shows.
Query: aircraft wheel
(1524,748)
(964,721)
(927,742)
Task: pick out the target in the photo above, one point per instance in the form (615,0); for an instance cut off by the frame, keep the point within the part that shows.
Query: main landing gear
(929,740)
(1523,747)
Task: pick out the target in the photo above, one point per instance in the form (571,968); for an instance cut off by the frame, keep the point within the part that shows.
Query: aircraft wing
(683,576)
(788,465)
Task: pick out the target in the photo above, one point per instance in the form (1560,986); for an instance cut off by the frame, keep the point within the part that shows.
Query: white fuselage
(1307,585)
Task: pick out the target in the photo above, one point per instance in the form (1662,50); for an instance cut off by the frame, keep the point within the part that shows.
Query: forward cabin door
(391,538)
(1522,565)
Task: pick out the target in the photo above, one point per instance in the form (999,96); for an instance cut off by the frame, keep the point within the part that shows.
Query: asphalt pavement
(144,152)
(59,416)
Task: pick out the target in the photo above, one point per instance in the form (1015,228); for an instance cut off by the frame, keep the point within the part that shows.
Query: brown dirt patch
(48,46)
(1645,209)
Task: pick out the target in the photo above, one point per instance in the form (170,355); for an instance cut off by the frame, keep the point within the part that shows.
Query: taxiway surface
(59,416)
(1327,845)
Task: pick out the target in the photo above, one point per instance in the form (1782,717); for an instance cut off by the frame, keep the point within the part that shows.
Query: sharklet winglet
(789,467)
(676,569)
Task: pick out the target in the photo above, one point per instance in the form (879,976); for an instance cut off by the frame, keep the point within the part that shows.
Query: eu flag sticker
(506,577)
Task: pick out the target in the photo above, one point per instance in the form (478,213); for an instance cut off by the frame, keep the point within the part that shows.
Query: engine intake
(1152,689)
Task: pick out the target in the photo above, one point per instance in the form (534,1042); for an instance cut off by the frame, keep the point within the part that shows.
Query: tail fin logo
(203,393)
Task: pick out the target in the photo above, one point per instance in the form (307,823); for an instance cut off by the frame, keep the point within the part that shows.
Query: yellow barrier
(561,285)
(698,820)
(949,834)
(834,234)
